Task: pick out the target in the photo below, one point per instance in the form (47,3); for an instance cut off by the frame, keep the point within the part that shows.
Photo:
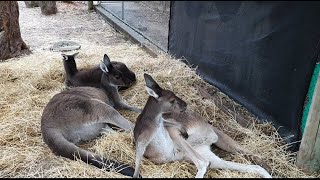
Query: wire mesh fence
(149,18)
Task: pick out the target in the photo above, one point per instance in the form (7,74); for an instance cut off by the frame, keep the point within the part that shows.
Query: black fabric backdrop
(261,54)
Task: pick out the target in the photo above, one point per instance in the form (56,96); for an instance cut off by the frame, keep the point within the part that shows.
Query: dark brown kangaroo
(83,113)
(92,76)
(161,141)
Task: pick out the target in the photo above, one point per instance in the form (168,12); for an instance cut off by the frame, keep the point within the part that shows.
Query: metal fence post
(122,10)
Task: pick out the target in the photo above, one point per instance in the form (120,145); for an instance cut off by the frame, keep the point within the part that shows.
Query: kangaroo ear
(152,93)
(75,54)
(103,67)
(106,61)
(151,84)
(65,57)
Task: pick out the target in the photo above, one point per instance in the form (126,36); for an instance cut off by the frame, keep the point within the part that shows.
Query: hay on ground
(28,83)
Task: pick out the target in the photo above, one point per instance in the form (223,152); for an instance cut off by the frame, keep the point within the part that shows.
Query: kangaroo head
(69,57)
(111,76)
(125,71)
(166,99)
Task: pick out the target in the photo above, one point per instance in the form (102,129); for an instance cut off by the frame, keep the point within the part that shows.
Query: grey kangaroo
(82,113)
(92,76)
(160,129)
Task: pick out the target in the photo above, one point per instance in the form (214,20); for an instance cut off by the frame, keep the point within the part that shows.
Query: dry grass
(27,84)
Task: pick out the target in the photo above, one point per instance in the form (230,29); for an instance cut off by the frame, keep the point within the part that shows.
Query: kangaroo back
(76,115)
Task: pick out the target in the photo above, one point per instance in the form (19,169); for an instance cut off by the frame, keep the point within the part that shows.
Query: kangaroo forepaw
(137,110)
(128,107)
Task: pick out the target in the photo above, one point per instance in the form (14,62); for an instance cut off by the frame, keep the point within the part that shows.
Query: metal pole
(122,10)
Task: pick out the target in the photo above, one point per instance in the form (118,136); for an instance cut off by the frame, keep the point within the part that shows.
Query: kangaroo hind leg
(217,163)
(189,153)
(107,114)
(226,143)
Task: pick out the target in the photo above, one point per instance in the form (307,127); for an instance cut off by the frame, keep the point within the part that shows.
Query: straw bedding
(27,83)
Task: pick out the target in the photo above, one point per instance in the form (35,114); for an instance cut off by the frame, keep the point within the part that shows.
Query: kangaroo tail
(61,146)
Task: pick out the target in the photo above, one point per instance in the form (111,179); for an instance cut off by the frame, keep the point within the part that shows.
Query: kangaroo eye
(172,101)
(117,77)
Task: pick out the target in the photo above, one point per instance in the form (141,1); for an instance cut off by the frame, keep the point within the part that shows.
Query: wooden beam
(308,158)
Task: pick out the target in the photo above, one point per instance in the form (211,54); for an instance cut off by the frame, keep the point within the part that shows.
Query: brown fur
(158,135)
(91,76)
(192,120)
(82,114)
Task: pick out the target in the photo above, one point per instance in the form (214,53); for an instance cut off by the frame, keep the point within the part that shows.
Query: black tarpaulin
(261,54)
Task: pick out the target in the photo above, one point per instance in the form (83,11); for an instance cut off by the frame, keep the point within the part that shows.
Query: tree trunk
(11,43)
(31,4)
(90,5)
(48,7)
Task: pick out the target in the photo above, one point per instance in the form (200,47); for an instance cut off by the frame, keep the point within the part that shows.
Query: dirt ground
(27,83)
(72,21)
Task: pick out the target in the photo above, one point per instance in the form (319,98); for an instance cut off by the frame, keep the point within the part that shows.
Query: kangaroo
(162,140)
(92,76)
(81,114)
